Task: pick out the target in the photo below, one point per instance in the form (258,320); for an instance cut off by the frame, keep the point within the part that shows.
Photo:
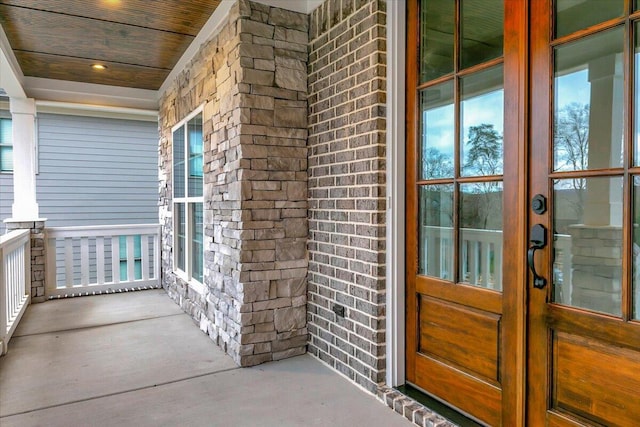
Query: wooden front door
(524,155)
(584,333)
(458,141)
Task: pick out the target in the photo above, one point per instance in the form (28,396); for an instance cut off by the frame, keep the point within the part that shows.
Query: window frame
(188,202)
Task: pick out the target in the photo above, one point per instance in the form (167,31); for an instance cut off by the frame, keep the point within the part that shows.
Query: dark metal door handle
(538,281)
(538,240)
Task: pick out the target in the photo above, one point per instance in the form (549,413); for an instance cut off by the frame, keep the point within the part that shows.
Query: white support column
(23,114)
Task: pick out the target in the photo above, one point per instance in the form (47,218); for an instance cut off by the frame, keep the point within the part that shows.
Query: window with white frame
(6,145)
(187,197)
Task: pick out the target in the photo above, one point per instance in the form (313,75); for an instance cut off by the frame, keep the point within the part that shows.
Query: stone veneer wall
(347,97)
(37,256)
(252,79)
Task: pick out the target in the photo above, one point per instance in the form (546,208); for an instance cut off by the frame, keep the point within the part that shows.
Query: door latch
(537,240)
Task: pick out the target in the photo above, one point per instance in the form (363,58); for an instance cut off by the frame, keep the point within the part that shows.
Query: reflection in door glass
(481,115)
(436,231)
(574,15)
(588,84)
(437,131)
(636,127)
(481,234)
(587,243)
(636,247)
(437,18)
(482,31)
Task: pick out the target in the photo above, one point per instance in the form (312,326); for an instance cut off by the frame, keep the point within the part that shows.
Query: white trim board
(396,59)
(89,110)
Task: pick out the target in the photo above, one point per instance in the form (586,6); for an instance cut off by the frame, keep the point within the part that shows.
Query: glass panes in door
(460,142)
(588,88)
(587,243)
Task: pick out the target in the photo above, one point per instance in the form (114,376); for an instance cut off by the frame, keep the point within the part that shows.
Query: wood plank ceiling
(139,41)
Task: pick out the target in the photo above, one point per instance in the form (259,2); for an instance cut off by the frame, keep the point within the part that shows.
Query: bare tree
(571,142)
(436,164)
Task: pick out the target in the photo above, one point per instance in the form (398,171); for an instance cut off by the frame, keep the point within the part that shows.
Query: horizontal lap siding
(6,198)
(93,171)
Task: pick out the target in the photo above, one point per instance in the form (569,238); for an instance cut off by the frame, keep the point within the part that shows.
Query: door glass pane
(437,25)
(636,132)
(574,15)
(194,128)
(178,162)
(636,247)
(480,251)
(436,231)
(482,31)
(587,243)
(437,131)
(588,85)
(481,115)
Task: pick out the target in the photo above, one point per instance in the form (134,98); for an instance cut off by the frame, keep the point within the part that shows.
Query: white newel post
(25,211)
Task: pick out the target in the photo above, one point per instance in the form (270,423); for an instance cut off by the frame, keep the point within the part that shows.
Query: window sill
(196,286)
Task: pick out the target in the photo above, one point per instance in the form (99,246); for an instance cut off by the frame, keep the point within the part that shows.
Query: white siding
(93,171)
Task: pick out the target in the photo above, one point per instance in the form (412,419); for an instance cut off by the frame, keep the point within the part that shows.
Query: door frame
(396,142)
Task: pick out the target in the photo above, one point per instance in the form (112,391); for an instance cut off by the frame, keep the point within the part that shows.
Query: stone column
(37,254)
(25,210)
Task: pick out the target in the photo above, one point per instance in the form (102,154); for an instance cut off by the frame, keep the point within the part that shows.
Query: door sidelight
(537,240)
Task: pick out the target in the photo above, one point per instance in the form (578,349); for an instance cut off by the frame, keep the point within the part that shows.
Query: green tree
(482,200)
(484,156)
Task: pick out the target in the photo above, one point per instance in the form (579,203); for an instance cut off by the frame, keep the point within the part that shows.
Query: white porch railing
(562,268)
(481,257)
(15,282)
(481,261)
(94,259)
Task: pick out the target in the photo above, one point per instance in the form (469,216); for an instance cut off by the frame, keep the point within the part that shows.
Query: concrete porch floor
(135,359)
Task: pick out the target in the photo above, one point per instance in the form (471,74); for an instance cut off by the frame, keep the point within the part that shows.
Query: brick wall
(251,78)
(347,97)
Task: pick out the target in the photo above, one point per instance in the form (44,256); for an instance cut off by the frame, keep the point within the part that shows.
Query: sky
(485,108)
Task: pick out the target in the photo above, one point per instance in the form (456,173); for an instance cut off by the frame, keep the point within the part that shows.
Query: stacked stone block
(347,97)
(596,260)
(251,78)
(37,256)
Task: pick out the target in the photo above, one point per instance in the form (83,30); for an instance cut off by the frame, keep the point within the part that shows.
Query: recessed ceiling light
(99,67)
(112,3)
